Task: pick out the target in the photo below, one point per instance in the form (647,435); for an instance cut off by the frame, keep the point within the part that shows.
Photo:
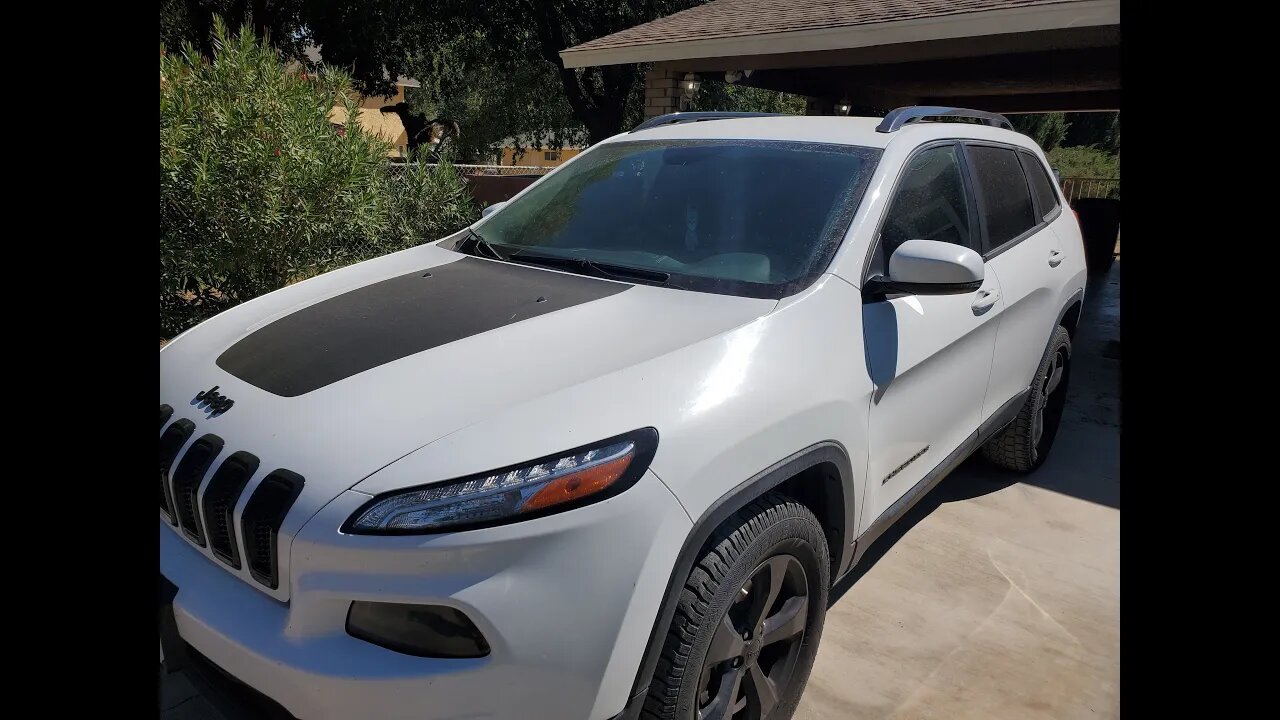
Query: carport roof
(748,27)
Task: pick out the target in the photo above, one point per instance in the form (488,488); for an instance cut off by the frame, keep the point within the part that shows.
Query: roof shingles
(736,18)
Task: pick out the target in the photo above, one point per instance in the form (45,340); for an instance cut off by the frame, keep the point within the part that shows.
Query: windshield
(745,217)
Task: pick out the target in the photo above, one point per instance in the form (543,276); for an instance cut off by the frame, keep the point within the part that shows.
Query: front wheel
(1025,443)
(746,629)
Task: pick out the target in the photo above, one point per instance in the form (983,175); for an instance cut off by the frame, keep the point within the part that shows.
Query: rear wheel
(1025,443)
(747,625)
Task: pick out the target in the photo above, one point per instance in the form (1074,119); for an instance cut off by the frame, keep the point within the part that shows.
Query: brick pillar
(661,92)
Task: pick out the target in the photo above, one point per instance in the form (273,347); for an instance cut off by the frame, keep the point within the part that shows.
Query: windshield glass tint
(751,217)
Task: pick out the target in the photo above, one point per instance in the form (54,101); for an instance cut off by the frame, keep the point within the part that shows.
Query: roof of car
(817,128)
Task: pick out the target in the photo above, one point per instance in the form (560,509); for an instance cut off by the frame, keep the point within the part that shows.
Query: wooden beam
(1039,73)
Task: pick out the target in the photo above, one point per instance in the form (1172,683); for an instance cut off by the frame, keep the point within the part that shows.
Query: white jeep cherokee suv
(603,453)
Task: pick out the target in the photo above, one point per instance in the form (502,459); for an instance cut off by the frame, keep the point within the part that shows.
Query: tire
(1025,443)
(728,594)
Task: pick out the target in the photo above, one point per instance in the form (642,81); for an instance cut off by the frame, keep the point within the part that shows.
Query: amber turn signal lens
(578,485)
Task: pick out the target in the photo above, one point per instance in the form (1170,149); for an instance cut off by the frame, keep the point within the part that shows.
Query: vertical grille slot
(220,503)
(186,484)
(263,515)
(166,412)
(171,441)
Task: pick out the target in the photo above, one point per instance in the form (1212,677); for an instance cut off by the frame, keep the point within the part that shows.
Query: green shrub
(1087,162)
(1090,162)
(716,95)
(1047,129)
(259,189)
(425,202)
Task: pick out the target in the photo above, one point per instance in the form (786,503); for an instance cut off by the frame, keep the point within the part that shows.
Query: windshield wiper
(602,269)
(479,245)
(476,245)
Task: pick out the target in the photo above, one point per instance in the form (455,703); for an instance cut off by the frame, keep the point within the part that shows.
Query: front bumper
(229,697)
(566,603)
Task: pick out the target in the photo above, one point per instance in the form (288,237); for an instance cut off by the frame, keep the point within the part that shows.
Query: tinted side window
(929,204)
(1005,200)
(1041,185)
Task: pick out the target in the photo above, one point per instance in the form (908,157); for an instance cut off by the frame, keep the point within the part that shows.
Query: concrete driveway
(997,596)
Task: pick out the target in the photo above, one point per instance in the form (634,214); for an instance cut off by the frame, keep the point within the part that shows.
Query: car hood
(341,375)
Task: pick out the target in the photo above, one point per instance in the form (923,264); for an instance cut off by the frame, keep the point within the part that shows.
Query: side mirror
(1057,175)
(931,267)
(485,212)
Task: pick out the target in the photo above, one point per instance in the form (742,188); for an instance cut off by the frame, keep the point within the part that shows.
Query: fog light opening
(436,631)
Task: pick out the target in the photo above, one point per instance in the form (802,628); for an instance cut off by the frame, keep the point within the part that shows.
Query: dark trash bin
(1100,226)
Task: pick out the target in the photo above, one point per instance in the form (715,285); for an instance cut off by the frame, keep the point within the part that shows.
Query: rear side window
(1041,185)
(1004,199)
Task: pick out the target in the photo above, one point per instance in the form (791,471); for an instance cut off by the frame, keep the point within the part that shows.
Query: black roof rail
(684,117)
(912,113)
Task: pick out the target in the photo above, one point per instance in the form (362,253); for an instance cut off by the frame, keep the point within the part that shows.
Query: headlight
(552,484)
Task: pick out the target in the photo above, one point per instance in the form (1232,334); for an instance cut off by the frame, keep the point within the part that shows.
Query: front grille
(186,484)
(263,515)
(220,503)
(210,523)
(171,441)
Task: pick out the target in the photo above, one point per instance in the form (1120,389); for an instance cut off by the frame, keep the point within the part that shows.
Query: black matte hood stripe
(376,324)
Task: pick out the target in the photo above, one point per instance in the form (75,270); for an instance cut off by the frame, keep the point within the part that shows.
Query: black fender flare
(1077,296)
(828,451)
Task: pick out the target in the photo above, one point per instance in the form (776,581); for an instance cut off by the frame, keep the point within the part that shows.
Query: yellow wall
(536,157)
(386,125)
(377,101)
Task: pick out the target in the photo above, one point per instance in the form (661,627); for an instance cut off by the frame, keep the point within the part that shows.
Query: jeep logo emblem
(218,404)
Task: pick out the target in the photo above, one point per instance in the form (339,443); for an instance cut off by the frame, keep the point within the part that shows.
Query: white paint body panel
(340,434)
(567,601)
(930,358)
(1032,289)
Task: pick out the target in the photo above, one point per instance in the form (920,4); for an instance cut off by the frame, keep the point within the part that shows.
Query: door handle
(986,298)
(1055,258)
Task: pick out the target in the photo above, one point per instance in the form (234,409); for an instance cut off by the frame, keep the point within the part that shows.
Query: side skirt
(1001,418)
(907,501)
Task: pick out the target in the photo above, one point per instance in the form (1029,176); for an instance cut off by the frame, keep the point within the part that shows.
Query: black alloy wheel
(756,643)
